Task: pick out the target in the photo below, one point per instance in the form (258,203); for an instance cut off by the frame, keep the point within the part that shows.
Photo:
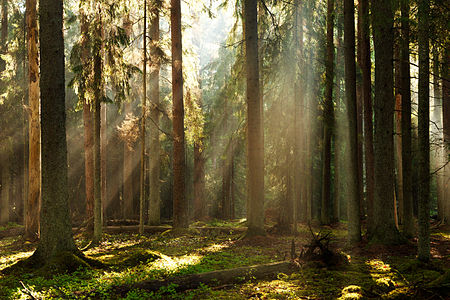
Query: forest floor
(372,272)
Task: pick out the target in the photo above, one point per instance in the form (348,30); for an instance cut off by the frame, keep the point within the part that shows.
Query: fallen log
(214,278)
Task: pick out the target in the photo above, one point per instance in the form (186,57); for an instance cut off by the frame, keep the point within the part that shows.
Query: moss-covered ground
(373,272)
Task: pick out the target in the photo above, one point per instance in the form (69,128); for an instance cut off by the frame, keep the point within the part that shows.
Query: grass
(379,273)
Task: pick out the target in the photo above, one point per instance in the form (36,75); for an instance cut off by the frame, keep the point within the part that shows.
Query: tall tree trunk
(98,93)
(368,113)
(155,160)
(398,129)
(255,147)
(34,163)
(55,223)
(180,205)
(437,118)
(328,117)
(424,132)
(353,204)
(408,217)
(446,126)
(103,157)
(384,231)
(143,197)
(88,124)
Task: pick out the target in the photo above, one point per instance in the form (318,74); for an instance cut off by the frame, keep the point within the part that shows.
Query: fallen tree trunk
(219,277)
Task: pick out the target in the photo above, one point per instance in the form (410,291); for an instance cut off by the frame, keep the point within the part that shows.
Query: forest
(224,149)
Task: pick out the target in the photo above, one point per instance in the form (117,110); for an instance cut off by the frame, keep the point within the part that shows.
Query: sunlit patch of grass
(351,292)
(7,260)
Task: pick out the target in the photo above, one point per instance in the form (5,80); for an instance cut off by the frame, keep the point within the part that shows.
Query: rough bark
(34,159)
(408,217)
(103,157)
(328,117)
(219,277)
(352,184)
(424,133)
(155,160)
(255,147)
(384,231)
(446,126)
(55,222)
(128,166)
(180,205)
(368,112)
(398,129)
(98,95)
(143,173)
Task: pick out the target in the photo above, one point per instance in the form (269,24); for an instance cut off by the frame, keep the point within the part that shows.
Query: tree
(405,90)
(5,167)
(353,202)
(446,126)
(328,117)
(55,224)
(255,147)
(368,111)
(155,160)
(98,95)
(424,132)
(34,162)
(88,121)
(180,207)
(384,229)
(143,173)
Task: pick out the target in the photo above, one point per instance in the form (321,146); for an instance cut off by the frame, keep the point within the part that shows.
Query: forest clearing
(220,149)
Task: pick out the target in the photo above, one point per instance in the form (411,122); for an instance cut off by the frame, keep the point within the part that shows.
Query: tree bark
(236,275)
(353,204)
(180,205)
(255,147)
(98,95)
(143,173)
(328,117)
(34,162)
(199,181)
(424,133)
(446,126)
(155,160)
(55,222)
(408,217)
(384,231)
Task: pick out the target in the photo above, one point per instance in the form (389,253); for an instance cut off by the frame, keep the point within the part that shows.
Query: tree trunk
(236,275)
(328,117)
(437,118)
(143,173)
(352,186)
(446,126)
(128,167)
(255,147)
(103,157)
(398,129)
(384,230)
(55,222)
(199,181)
(408,217)
(180,205)
(368,113)
(34,163)
(98,94)
(155,158)
(424,133)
